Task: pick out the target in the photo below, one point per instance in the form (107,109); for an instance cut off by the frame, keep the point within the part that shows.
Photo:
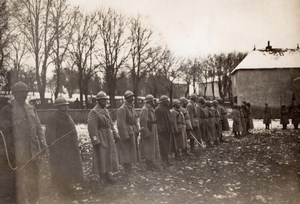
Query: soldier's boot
(127,168)
(221,138)
(185,152)
(192,145)
(108,179)
(149,165)
(154,167)
(178,156)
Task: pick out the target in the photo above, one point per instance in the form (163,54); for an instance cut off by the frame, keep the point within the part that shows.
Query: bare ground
(262,167)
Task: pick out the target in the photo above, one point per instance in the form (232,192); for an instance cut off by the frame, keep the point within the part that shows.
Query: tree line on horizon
(100,50)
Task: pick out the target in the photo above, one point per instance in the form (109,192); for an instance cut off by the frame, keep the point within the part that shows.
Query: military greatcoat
(267,115)
(149,136)
(284,116)
(165,130)
(103,136)
(224,119)
(179,127)
(128,130)
(65,159)
(211,124)
(21,127)
(237,123)
(203,124)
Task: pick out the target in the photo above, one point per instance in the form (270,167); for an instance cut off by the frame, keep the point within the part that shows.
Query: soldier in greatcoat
(250,117)
(267,116)
(211,122)
(165,130)
(22,129)
(203,122)
(187,126)
(244,119)
(149,136)
(179,127)
(129,131)
(65,160)
(191,108)
(296,115)
(237,123)
(104,137)
(224,119)
(217,115)
(284,116)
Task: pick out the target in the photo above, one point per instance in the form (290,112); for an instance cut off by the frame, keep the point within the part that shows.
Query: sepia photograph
(149,101)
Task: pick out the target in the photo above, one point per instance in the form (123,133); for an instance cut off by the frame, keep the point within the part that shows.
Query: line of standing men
(154,135)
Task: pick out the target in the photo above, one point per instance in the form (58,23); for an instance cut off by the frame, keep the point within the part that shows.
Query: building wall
(272,86)
(209,92)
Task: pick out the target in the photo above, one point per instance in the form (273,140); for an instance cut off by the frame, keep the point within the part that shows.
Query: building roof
(270,59)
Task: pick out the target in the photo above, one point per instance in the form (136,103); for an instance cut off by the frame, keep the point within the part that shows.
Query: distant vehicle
(38,103)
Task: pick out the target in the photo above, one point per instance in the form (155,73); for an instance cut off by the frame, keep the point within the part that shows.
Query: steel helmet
(128,94)
(175,102)
(183,99)
(101,95)
(193,96)
(149,97)
(163,98)
(202,100)
(61,101)
(215,102)
(19,86)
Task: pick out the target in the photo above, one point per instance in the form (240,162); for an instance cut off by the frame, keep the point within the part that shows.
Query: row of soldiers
(164,131)
(242,119)
(154,135)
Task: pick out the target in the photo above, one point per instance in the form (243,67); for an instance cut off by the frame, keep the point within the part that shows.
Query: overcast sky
(199,27)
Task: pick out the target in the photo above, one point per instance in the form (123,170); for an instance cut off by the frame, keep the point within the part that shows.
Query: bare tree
(18,56)
(152,63)
(204,74)
(140,39)
(115,52)
(33,17)
(5,40)
(83,51)
(168,68)
(70,76)
(63,20)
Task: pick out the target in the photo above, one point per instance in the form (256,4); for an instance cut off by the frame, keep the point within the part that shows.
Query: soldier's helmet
(202,100)
(219,100)
(19,86)
(101,95)
(208,103)
(149,97)
(183,99)
(175,102)
(61,101)
(128,94)
(215,102)
(193,96)
(163,98)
